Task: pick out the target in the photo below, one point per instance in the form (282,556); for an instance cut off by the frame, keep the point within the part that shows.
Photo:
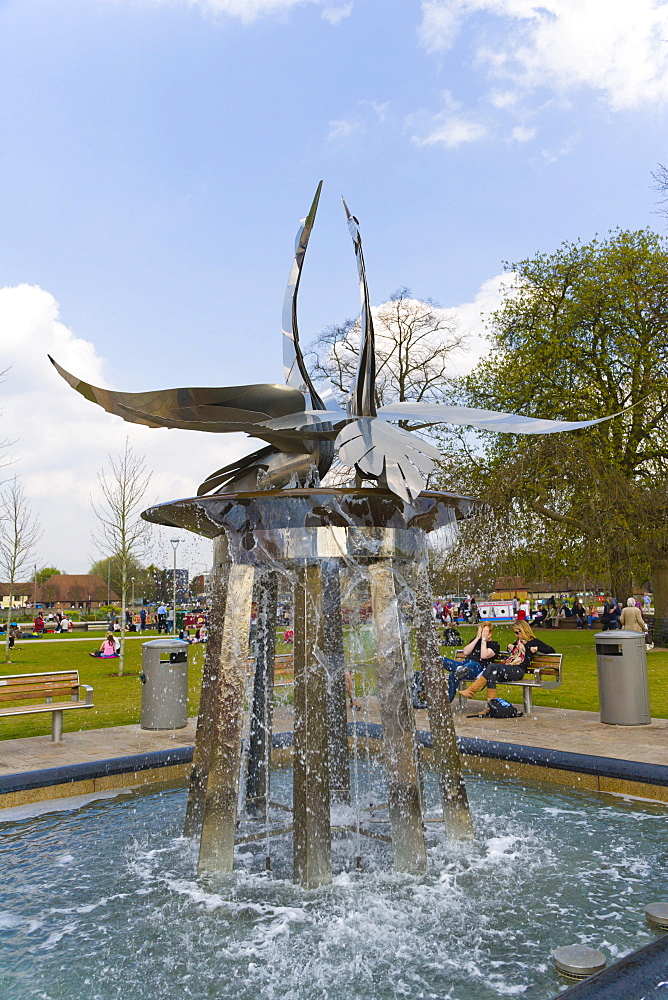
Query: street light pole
(108,581)
(133,592)
(175,545)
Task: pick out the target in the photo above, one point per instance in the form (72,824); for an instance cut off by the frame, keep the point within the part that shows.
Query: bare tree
(123,484)
(660,177)
(415,341)
(19,533)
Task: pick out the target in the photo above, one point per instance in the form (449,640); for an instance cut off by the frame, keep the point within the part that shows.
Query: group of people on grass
(62,623)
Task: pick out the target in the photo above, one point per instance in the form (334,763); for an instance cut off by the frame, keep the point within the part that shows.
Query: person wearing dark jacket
(514,666)
(477,653)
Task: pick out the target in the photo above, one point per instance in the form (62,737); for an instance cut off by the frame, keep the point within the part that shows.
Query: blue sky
(157,156)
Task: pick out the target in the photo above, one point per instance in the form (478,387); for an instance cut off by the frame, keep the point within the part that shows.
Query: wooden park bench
(44,693)
(544,672)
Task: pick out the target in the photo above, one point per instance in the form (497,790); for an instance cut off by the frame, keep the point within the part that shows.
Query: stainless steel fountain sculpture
(270,520)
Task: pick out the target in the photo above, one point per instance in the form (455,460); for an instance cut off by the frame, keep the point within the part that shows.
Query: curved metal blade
(296,374)
(169,407)
(487,420)
(362,401)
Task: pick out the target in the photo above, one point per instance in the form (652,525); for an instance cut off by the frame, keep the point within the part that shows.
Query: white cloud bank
(61,441)
(615,47)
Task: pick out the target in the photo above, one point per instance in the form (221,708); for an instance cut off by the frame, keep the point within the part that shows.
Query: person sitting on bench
(476,654)
(515,665)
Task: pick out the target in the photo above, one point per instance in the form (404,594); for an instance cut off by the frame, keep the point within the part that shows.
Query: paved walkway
(549,728)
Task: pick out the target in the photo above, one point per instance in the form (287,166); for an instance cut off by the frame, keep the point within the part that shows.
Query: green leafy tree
(580,334)
(43,574)
(111,569)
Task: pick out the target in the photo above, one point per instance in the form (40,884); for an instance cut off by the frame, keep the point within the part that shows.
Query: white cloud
(336,14)
(450,127)
(61,441)
(343,128)
(440,24)
(616,48)
(522,134)
(380,108)
(471,317)
(246,11)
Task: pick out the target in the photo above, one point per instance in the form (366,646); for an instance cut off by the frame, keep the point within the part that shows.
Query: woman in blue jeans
(476,655)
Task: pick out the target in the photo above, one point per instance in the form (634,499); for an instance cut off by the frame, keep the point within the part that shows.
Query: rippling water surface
(102,903)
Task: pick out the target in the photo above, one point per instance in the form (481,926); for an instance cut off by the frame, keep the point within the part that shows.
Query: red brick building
(79,591)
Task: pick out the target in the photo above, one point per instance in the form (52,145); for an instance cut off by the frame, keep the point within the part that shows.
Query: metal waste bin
(623,691)
(164,696)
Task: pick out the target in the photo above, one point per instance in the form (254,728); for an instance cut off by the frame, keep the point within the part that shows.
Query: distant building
(181,585)
(199,588)
(22,595)
(80,591)
(507,587)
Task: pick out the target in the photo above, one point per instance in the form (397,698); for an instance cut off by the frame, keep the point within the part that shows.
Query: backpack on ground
(452,638)
(498,708)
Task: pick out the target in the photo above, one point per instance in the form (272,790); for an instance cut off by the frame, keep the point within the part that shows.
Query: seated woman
(476,654)
(514,666)
(108,648)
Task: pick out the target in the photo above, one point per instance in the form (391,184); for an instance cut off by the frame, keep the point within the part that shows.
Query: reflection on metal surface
(220,809)
(454,798)
(259,750)
(294,367)
(204,735)
(399,751)
(362,402)
(312,836)
(270,510)
(337,728)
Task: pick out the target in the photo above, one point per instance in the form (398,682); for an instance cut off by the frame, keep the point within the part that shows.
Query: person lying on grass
(108,648)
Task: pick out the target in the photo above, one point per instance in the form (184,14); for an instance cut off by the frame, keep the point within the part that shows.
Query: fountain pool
(101,902)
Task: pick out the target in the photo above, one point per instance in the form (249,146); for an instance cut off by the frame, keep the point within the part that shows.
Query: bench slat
(41,691)
(60,677)
(59,706)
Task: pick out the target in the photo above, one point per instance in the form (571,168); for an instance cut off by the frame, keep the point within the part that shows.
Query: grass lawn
(118,699)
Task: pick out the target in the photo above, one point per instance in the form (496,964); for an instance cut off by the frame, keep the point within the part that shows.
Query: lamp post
(108,581)
(133,592)
(175,545)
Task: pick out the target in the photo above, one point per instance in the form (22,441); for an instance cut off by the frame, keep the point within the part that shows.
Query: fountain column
(220,808)
(310,809)
(339,758)
(204,735)
(259,750)
(455,801)
(396,716)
